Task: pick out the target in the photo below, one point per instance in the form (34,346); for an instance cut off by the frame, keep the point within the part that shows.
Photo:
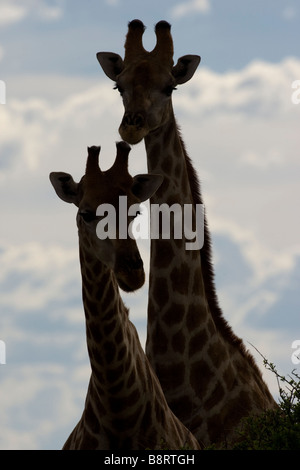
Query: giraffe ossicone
(125,408)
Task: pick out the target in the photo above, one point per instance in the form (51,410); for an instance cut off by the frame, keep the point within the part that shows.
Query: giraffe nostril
(129,264)
(137,264)
(138,120)
(127,120)
(131,119)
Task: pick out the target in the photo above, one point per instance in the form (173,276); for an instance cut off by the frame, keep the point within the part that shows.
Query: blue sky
(241,130)
(60,35)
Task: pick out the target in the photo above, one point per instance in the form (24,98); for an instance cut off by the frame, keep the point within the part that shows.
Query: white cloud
(261,258)
(39,413)
(259,89)
(257,295)
(11,12)
(45,271)
(270,159)
(289,13)
(1,53)
(14,11)
(112,3)
(241,131)
(190,7)
(45,11)
(33,127)
(50,13)
(42,325)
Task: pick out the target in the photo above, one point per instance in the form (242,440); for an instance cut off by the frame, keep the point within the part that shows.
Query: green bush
(275,429)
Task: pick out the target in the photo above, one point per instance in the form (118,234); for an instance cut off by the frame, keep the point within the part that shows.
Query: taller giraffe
(125,407)
(210,380)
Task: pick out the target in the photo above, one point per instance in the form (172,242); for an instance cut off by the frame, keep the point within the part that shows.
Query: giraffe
(125,407)
(209,378)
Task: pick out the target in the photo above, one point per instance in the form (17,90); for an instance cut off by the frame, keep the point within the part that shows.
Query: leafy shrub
(275,429)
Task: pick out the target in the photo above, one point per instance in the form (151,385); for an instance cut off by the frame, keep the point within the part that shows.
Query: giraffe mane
(208,268)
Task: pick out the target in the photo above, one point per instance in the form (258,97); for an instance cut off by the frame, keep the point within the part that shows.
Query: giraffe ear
(185,68)
(65,187)
(144,186)
(111,63)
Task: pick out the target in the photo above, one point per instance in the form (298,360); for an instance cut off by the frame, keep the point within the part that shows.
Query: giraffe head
(97,188)
(146,80)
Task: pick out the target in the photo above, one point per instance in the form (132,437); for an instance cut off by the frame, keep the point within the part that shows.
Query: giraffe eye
(120,89)
(87,216)
(169,90)
(134,215)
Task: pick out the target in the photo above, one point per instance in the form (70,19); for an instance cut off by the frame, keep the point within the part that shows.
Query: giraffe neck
(104,314)
(192,348)
(113,402)
(177,298)
(176,281)
(125,407)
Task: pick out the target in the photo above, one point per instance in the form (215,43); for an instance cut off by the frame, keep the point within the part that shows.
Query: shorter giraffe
(125,407)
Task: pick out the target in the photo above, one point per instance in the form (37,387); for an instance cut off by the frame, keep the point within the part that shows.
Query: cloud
(33,127)
(261,260)
(271,159)
(42,325)
(241,131)
(249,110)
(11,12)
(259,89)
(14,11)
(190,7)
(50,13)
(42,272)
(262,302)
(289,13)
(40,413)
(1,53)
(39,123)
(112,3)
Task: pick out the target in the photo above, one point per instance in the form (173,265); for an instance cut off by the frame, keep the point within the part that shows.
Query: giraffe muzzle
(136,120)
(136,263)
(133,127)
(130,273)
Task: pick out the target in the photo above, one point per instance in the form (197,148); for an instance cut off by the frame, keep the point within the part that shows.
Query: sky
(239,116)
